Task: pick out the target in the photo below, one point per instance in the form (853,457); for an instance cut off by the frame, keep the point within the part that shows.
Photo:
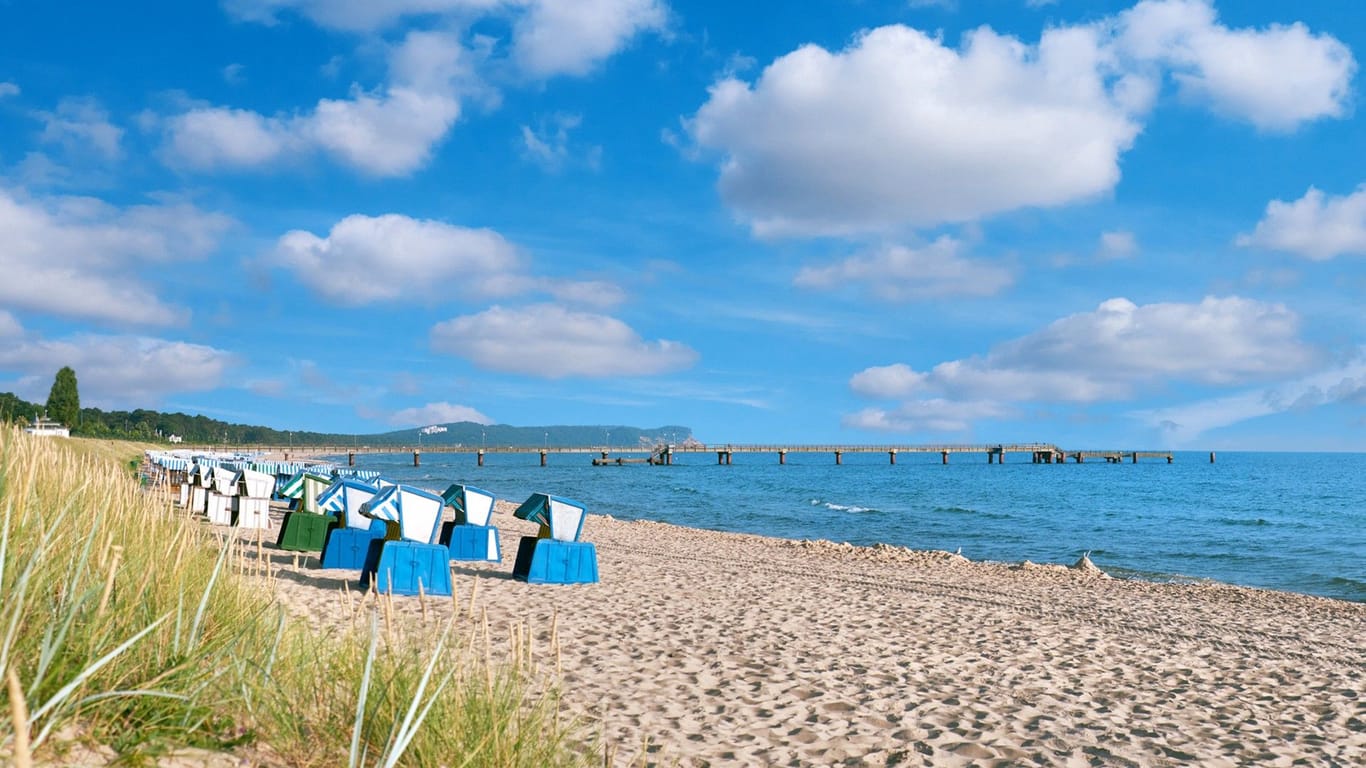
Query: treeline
(154,426)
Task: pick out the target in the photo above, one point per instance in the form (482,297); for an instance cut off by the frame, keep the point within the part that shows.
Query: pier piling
(350,458)
(782,457)
(543,455)
(417,458)
(481,457)
(892,455)
(839,457)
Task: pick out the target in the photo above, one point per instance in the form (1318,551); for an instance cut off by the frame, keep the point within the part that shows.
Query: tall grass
(126,624)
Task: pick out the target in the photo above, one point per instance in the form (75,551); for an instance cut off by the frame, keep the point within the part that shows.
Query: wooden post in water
(720,458)
(1211,457)
(417,458)
(944,457)
(991,457)
(1135,457)
(782,456)
(1080,458)
(481,457)
(892,455)
(604,454)
(839,457)
(730,456)
(350,458)
(543,453)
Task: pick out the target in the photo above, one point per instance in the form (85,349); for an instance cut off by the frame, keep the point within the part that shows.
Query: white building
(44,428)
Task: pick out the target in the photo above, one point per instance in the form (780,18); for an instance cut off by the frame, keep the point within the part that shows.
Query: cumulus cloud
(552,342)
(8,89)
(1182,424)
(549,37)
(899,129)
(1276,78)
(80,257)
(1316,226)
(558,38)
(887,382)
(935,415)
(437,413)
(898,273)
(82,126)
(119,371)
(1111,352)
(390,131)
(366,259)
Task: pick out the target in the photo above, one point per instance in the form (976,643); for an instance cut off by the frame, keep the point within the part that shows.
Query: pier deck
(1040,453)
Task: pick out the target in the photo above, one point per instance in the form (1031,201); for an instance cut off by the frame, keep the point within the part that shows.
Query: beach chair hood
(563,517)
(473,506)
(348,497)
(417,512)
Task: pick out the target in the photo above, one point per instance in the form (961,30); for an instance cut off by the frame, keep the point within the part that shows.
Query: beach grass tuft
(128,628)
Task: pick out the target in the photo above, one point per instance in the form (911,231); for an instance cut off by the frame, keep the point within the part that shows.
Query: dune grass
(124,624)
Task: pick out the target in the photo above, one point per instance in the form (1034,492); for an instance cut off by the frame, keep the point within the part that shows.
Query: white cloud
(898,273)
(1110,353)
(119,371)
(551,342)
(437,413)
(1276,78)
(1182,424)
(1117,245)
(357,15)
(588,293)
(366,259)
(388,132)
(898,129)
(80,257)
(887,382)
(935,415)
(81,126)
(1316,226)
(8,89)
(559,38)
(549,147)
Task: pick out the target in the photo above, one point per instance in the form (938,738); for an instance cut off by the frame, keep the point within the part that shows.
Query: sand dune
(704,648)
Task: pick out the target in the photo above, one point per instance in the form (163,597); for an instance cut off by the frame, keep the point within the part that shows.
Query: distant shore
(711,648)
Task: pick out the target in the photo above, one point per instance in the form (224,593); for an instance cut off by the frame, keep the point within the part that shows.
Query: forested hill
(154,426)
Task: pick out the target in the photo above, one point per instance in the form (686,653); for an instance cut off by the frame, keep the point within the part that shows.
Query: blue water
(1287,521)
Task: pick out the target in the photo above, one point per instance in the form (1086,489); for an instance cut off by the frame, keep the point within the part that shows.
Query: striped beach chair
(304,528)
(556,556)
(470,536)
(408,560)
(251,504)
(221,488)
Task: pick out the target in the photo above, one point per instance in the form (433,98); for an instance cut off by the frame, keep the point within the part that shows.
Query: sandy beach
(704,648)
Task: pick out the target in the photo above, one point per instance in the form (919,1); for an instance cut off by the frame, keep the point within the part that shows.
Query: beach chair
(408,559)
(201,485)
(556,556)
(192,493)
(251,504)
(304,528)
(221,489)
(347,541)
(469,536)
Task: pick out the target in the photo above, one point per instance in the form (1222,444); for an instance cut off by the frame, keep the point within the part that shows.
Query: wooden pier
(1038,453)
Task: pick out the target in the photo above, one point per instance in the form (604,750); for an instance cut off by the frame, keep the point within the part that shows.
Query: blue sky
(1098,224)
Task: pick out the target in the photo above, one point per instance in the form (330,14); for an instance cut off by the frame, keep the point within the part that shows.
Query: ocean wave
(830,505)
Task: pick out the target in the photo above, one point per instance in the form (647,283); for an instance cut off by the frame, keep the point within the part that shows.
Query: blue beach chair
(470,536)
(348,541)
(556,556)
(408,559)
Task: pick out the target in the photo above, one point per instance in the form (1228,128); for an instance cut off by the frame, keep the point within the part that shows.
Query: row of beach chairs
(392,534)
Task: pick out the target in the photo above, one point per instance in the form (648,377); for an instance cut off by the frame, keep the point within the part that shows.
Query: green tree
(64,401)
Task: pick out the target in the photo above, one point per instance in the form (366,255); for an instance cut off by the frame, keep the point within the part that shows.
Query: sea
(1286,521)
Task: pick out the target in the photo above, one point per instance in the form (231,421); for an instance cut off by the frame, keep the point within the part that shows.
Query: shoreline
(707,648)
